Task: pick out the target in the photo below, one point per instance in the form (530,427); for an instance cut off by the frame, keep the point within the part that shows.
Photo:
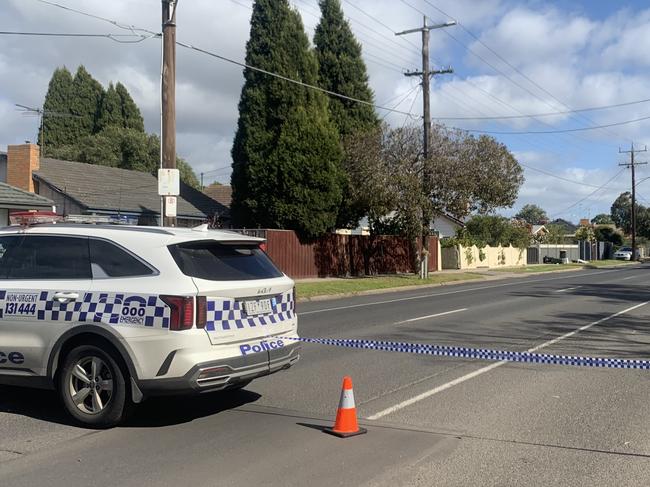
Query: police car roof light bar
(107,219)
(27,218)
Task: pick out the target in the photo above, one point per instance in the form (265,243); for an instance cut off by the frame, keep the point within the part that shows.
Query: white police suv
(109,314)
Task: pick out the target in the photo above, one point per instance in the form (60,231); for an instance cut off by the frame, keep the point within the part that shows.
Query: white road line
(433,295)
(483,370)
(432,316)
(631,277)
(566,289)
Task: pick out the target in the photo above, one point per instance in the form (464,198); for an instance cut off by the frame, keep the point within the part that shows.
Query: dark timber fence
(335,255)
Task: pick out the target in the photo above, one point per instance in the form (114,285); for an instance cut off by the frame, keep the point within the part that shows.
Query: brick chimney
(21,161)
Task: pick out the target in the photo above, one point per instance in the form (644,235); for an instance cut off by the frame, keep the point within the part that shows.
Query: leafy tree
(131,116)
(621,212)
(469,174)
(110,110)
(286,152)
(532,214)
(556,233)
(466,174)
(495,230)
(386,176)
(57,100)
(602,219)
(585,233)
(87,94)
(607,234)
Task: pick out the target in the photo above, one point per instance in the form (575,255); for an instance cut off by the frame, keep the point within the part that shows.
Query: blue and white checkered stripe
(229,314)
(107,308)
(479,353)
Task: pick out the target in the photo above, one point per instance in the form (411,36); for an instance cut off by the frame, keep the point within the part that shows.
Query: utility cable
(517,70)
(113,37)
(237,63)
(549,114)
(559,131)
(590,194)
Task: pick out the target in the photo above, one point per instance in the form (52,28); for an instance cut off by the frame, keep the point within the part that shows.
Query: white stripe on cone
(347,399)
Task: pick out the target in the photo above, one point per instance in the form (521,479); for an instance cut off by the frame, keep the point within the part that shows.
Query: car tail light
(201,311)
(182,311)
(262,247)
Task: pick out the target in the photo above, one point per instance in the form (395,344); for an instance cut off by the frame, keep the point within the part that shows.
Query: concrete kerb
(485,277)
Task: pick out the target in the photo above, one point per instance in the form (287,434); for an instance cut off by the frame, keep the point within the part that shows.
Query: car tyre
(93,387)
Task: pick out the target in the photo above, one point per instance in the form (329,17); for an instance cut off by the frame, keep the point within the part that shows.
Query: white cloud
(582,60)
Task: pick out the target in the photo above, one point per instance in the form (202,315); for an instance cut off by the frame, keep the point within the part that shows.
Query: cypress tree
(131,115)
(87,96)
(110,110)
(286,154)
(57,101)
(342,70)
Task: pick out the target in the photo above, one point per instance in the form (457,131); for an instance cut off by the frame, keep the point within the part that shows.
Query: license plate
(262,306)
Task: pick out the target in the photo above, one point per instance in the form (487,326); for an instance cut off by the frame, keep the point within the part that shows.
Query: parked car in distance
(624,253)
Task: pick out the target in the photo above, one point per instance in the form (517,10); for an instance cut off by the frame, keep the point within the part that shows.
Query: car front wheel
(93,387)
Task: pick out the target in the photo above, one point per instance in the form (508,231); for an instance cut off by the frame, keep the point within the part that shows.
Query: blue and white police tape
(478,353)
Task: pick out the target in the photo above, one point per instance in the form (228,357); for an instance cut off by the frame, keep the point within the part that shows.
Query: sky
(510,58)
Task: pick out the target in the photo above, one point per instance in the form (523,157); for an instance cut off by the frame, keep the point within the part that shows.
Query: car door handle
(66,297)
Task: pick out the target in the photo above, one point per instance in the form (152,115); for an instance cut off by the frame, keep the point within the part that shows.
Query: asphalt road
(430,420)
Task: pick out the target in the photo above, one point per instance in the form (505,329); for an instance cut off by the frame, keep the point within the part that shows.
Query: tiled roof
(16,198)
(97,187)
(220,192)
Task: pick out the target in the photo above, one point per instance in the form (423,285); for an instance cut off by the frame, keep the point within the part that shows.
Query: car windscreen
(223,261)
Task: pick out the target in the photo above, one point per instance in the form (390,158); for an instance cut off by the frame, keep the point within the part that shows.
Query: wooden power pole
(631,165)
(168,95)
(426,74)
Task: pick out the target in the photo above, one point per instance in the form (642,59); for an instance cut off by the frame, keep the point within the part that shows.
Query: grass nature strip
(356,285)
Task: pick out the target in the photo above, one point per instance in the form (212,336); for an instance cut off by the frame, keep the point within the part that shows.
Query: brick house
(77,188)
(16,189)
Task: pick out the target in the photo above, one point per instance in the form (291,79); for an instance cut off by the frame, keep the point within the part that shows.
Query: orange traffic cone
(346,415)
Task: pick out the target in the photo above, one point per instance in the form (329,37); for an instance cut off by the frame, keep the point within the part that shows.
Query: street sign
(169,182)
(170,206)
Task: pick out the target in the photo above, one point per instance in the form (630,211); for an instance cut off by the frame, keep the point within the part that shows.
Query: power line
(548,173)
(380,23)
(383,39)
(237,63)
(548,114)
(113,37)
(590,194)
(560,131)
(290,80)
(97,17)
(496,69)
(534,83)
(403,99)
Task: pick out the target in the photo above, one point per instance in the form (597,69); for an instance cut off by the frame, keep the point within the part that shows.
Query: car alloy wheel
(91,385)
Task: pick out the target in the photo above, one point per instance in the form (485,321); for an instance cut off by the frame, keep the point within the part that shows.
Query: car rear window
(223,261)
